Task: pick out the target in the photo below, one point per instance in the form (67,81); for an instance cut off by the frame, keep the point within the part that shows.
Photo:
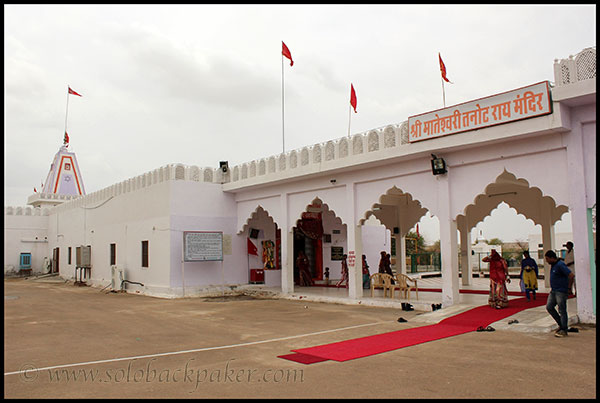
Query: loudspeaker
(224,166)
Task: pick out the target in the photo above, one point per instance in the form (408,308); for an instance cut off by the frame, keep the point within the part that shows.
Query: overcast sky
(196,84)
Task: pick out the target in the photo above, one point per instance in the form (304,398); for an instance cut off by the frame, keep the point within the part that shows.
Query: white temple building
(533,148)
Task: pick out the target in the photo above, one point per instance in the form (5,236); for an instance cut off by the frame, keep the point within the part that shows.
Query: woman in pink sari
(498,278)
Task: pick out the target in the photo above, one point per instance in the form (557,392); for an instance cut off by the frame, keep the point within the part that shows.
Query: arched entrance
(321,236)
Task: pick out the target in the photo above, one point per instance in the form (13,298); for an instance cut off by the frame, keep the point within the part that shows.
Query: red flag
(34,190)
(66,139)
(443,69)
(352,97)
(252,250)
(417,230)
(286,52)
(73,92)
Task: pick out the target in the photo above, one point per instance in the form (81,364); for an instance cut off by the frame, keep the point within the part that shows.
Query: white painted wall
(25,233)
(125,219)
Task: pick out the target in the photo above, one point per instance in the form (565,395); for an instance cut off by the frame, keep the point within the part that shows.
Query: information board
(202,246)
(337,252)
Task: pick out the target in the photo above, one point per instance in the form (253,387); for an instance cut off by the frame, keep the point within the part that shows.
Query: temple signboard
(522,103)
(202,246)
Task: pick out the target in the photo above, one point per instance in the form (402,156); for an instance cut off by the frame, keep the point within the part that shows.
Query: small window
(69,256)
(540,245)
(540,254)
(113,254)
(67,166)
(144,253)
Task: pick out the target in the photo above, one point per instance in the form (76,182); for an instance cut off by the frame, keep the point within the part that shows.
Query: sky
(197,84)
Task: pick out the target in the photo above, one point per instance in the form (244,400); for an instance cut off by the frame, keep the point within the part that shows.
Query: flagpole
(282,106)
(443,92)
(67,112)
(349,118)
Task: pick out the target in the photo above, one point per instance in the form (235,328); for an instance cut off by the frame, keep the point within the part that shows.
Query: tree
(495,241)
(410,243)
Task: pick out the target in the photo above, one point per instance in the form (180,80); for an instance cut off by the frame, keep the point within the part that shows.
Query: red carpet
(380,343)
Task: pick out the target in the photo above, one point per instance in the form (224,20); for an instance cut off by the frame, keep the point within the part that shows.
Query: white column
(287,249)
(401,240)
(578,204)
(547,238)
(354,239)
(465,255)
(448,244)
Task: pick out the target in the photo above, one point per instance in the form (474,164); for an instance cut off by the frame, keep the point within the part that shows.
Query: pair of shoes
(510,322)
(573,330)
(402,320)
(561,333)
(485,329)
(435,307)
(407,307)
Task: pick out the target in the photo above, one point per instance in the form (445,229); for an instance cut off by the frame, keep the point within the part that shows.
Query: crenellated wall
(333,152)
(145,180)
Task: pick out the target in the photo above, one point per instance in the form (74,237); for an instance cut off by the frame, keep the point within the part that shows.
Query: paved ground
(140,347)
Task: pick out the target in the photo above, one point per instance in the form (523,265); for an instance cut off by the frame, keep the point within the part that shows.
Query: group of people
(562,278)
(305,277)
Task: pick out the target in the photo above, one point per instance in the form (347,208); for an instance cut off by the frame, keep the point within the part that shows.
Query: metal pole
(443,92)
(282,106)
(67,112)
(349,118)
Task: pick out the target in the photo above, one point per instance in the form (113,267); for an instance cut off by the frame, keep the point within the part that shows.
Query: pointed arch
(528,201)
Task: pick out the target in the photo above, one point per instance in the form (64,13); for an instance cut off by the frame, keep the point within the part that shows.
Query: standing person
(561,284)
(382,263)
(388,266)
(365,273)
(304,273)
(344,278)
(498,278)
(570,260)
(529,274)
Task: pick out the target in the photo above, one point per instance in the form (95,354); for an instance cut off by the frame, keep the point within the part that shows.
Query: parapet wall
(390,136)
(576,68)
(159,175)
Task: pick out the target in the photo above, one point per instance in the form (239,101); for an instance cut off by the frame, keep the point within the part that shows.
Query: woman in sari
(529,274)
(344,278)
(303,268)
(498,278)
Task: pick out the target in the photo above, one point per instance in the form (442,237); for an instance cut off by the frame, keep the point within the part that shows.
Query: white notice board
(202,246)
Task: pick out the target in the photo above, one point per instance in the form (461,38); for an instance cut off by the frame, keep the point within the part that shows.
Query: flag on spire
(286,52)
(73,92)
(352,97)
(34,190)
(66,139)
(443,69)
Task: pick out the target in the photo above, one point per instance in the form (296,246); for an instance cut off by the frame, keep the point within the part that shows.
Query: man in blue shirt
(561,283)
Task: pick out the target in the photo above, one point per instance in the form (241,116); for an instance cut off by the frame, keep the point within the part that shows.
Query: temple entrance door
(308,238)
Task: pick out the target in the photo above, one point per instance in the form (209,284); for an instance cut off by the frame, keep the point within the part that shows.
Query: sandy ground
(131,346)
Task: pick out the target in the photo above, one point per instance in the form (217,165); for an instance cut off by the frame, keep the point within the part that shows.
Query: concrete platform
(534,320)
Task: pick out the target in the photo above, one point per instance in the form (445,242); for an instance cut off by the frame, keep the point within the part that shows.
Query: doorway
(55,259)
(308,238)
